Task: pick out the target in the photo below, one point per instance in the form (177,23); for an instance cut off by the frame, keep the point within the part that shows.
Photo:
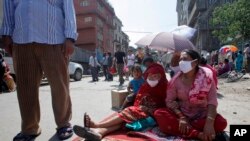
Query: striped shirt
(40,21)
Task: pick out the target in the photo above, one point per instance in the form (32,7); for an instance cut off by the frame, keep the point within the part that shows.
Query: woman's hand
(172,105)
(208,132)
(184,126)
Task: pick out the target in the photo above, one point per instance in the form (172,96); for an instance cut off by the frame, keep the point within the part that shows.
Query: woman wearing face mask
(191,102)
(151,96)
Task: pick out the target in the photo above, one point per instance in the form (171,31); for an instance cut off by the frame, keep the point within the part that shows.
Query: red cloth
(152,98)
(168,123)
(214,74)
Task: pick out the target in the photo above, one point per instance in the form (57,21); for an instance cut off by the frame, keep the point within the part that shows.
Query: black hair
(194,55)
(148,59)
(136,68)
(240,52)
(226,60)
(203,61)
(247,45)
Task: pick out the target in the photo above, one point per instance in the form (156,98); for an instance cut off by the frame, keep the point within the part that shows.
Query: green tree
(231,20)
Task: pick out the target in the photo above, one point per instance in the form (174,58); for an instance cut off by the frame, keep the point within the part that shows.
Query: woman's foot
(88,123)
(88,134)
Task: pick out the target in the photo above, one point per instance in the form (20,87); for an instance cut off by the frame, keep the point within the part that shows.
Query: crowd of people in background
(123,62)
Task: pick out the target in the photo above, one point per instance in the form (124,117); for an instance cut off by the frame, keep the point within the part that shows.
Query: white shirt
(131,60)
(93,62)
(247,52)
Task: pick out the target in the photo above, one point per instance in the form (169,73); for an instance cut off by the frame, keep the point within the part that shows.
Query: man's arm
(8,25)
(8,18)
(70,20)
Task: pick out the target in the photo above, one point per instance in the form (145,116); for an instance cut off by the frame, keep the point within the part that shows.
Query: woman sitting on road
(191,102)
(150,97)
(225,67)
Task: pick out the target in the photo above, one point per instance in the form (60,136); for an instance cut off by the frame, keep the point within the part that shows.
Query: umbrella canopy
(227,48)
(165,41)
(184,31)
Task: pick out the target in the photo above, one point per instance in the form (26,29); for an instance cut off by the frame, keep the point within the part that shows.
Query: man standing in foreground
(40,36)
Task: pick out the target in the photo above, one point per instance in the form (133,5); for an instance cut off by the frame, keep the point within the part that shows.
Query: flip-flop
(24,137)
(64,132)
(86,121)
(85,133)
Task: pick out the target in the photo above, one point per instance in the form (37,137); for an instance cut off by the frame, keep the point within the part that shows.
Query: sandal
(86,121)
(86,133)
(64,132)
(25,137)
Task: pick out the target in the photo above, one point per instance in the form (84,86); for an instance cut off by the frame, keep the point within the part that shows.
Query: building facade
(197,14)
(95,28)
(120,37)
(117,32)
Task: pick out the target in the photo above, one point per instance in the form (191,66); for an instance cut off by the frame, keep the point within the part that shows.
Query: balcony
(198,6)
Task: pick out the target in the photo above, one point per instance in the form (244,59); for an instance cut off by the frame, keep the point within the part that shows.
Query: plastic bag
(125,69)
(141,124)
(112,70)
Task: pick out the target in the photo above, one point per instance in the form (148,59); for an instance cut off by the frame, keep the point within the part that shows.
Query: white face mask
(186,66)
(152,83)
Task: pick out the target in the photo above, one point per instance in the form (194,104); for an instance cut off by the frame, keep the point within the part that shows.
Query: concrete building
(117,32)
(95,28)
(197,14)
(120,37)
(125,42)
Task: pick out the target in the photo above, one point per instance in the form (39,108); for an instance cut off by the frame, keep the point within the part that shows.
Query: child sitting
(133,86)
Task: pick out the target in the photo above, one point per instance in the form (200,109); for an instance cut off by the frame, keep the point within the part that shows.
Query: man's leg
(55,67)
(28,78)
(92,73)
(120,72)
(96,73)
(248,65)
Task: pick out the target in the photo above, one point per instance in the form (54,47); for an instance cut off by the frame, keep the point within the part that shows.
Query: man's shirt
(40,21)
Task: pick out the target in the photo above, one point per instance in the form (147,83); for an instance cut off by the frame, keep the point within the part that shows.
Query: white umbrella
(185,31)
(165,41)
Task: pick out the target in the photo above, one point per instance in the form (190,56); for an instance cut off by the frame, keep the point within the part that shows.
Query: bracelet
(209,117)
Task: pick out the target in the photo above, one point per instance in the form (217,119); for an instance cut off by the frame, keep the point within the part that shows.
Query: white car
(75,69)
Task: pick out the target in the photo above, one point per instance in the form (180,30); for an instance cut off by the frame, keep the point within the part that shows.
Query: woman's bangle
(211,118)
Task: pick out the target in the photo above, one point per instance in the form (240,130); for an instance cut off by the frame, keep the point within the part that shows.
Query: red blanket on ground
(126,135)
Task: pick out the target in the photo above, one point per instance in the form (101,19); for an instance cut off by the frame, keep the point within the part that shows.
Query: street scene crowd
(182,106)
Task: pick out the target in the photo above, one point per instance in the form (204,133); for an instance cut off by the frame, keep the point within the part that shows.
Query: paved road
(94,98)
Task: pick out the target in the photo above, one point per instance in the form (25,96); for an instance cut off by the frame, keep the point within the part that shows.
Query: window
(87,19)
(84,3)
(99,36)
(100,7)
(99,22)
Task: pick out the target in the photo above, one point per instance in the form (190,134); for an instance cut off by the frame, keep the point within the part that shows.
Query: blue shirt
(136,84)
(40,21)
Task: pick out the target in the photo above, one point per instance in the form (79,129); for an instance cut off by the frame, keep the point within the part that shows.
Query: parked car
(75,69)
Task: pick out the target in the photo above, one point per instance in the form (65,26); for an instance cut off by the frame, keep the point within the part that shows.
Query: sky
(145,16)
